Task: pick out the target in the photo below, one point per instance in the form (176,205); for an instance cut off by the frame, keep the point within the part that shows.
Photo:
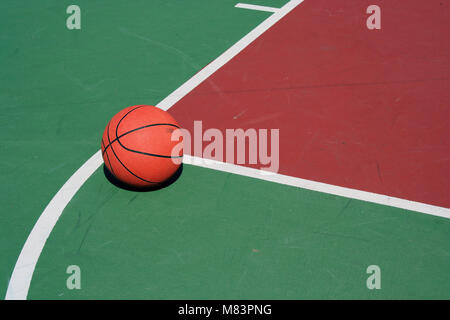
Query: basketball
(137,146)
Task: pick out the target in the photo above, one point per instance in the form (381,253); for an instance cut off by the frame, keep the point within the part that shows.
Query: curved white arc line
(20,280)
(24,268)
(23,271)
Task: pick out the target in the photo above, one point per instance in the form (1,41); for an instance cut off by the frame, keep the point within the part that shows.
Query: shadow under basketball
(119,184)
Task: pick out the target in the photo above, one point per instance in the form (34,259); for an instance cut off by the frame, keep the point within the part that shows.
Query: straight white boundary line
(20,280)
(320,187)
(256,7)
(207,71)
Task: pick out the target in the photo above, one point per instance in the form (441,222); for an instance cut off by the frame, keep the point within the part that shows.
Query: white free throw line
(20,280)
(256,7)
(319,186)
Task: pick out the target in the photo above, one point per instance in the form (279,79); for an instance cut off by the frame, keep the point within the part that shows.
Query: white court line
(320,187)
(203,74)
(23,271)
(20,280)
(256,7)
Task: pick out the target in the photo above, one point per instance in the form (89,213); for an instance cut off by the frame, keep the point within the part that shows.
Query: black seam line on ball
(136,151)
(112,149)
(107,156)
(137,107)
(140,128)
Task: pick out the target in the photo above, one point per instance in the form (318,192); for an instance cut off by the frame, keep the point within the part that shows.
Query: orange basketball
(137,146)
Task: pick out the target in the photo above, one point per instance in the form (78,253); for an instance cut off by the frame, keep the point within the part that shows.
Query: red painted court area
(364,109)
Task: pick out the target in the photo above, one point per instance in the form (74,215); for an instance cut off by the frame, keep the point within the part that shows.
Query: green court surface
(205,238)
(209,235)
